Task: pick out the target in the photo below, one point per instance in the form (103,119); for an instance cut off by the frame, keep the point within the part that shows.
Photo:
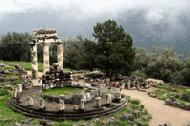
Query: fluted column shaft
(45,57)
(60,49)
(34,65)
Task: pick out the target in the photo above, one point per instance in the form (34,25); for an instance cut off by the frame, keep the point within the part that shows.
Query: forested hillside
(119,50)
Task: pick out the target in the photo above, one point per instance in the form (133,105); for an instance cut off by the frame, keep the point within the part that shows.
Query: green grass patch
(13,79)
(135,101)
(63,91)
(7,116)
(3,92)
(166,91)
(7,67)
(64,123)
(25,65)
(28,65)
(10,78)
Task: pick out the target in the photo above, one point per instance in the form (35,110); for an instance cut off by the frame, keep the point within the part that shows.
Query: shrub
(139,73)
(135,101)
(65,123)
(123,123)
(3,92)
(186,96)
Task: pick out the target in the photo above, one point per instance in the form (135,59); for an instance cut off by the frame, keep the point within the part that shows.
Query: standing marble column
(42,104)
(34,65)
(98,102)
(45,57)
(30,101)
(82,104)
(60,49)
(129,84)
(108,99)
(19,88)
(15,93)
(61,103)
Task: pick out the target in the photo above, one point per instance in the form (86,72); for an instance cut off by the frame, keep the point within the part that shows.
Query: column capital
(60,43)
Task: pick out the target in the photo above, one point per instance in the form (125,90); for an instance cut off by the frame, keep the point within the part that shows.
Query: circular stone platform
(52,112)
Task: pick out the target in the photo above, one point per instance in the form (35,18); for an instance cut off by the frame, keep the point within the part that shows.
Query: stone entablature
(45,34)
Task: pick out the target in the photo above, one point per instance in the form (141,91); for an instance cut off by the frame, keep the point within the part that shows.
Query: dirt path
(160,112)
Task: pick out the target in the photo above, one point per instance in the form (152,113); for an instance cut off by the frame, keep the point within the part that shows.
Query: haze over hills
(149,23)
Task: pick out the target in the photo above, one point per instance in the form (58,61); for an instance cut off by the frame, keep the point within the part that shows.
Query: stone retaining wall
(73,99)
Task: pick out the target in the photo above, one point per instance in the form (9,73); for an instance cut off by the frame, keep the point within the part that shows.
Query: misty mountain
(167,33)
(147,31)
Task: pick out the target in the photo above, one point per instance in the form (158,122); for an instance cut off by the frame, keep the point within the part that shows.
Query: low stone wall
(141,83)
(73,99)
(154,82)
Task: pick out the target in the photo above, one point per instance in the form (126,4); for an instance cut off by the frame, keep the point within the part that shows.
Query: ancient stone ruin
(91,102)
(45,36)
(55,77)
(140,83)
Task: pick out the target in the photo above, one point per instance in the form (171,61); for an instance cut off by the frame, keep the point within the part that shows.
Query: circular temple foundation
(31,103)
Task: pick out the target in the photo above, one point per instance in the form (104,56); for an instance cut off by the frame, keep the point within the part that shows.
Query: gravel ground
(160,112)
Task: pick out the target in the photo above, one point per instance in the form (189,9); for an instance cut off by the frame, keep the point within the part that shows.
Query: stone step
(68,113)
(63,116)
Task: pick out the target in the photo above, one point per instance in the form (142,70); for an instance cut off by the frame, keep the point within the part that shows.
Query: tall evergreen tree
(87,60)
(115,54)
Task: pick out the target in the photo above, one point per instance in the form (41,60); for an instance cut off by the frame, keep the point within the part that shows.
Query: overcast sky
(149,22)
(80,9)
(89,7)
(146,20)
